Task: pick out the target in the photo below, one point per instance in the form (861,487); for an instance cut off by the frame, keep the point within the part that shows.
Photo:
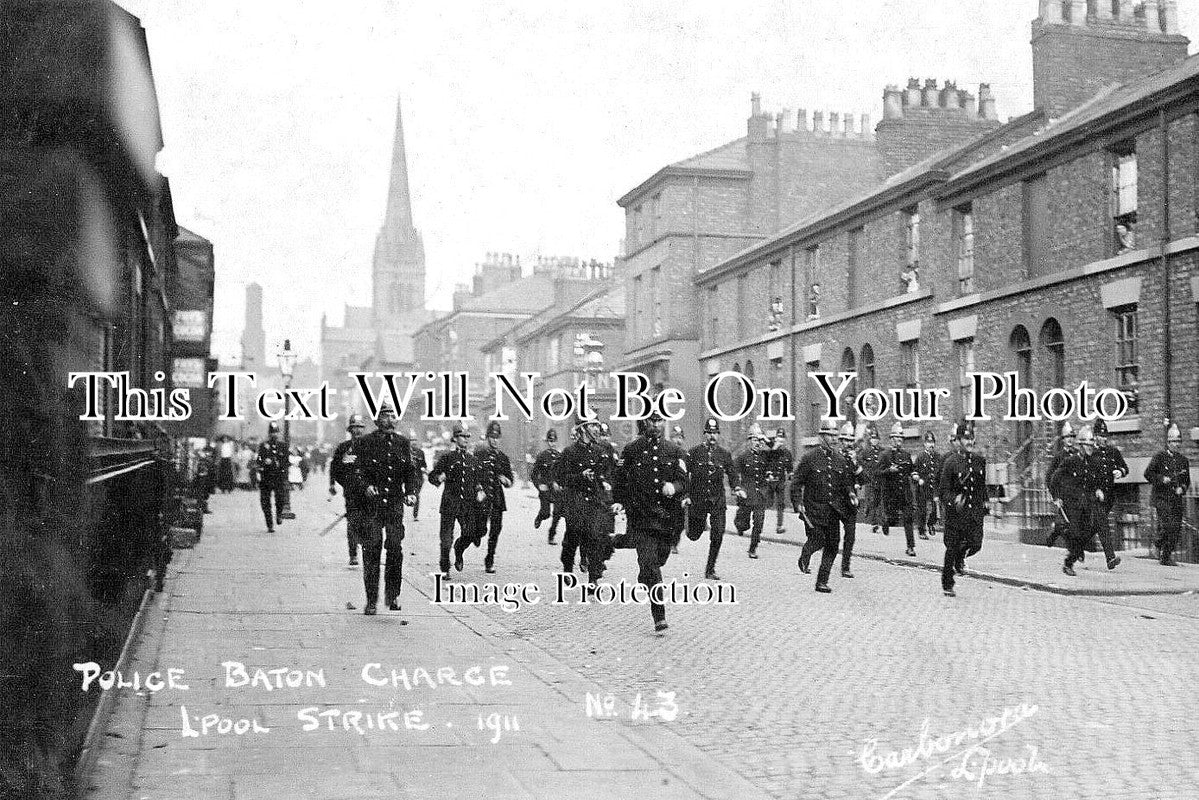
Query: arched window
(1021,346)
(866,368)
(1053,346)
(849,363)
(749,370)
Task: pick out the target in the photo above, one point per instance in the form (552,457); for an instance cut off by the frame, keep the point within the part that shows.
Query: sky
(524,121)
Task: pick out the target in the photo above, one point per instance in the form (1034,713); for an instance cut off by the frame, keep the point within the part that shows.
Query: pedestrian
(383,467)
(295,475)
(584,475)
(651,473)
(497,468)
(678,519)
(543,467)
(1076,485)
(822,493)
(780,463)
(463,498)
(896,472)
(1065,444)
(962,487)
(752,493)
(856,477)
(1169,477)
(226,450)
(868,455)
(1113,468)
(344,472)
(928,471)
(272,463)
(711,468)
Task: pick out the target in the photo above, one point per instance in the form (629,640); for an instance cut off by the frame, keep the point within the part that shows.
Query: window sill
(1126,425)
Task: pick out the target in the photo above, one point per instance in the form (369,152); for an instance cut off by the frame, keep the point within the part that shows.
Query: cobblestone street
(789,692)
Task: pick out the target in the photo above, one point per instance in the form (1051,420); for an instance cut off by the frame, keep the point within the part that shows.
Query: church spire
(399,199)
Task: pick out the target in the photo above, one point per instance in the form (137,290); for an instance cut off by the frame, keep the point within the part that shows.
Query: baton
(332,525)
(1062,511)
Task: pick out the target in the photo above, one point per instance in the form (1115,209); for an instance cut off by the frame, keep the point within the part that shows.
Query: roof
(607,302)
(395,348)
(530,294)
(727,160)
(1085,119)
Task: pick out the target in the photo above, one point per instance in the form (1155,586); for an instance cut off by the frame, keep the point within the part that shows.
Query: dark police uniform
(893,471)
(779,463)
(343,472)
(422,468)
(542,475)
(711,468)
(928,468)
(849,524)
(962,487)
(464,478)
(1169,476)
(1074,482)
(749,467)
(868,456)
(585,474)
(496,465)
(383,462)
(272,463)
(823,485)
(646,465)
(1112,467)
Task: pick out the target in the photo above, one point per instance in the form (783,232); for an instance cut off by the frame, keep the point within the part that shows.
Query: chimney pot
(755,104)
(970,104)
(1103,9)
(929,96)
(817,122)
(834,122)
(1078,11)
(949,96)
(801,120)
(986,102)
(778,123)
(867,132)
(912,96)
(848,124)
(1153,19)
(1170,14)
(1051,12)
(892,102)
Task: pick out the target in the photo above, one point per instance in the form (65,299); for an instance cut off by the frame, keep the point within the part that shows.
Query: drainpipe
(791,351)
(1167,351)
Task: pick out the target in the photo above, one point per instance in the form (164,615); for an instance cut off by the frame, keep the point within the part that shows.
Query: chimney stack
(817,122)
(848,124)
(929,96)
(1126,10)
(834,123)
(1051,11)
(970,104)
(801,120)
(1103,10)
(1078,11)
(867,132)
(1153,20)
(949,96)
(1170,13)
(755,105)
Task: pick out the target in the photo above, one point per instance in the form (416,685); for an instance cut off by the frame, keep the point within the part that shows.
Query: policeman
(388,481)
(1065,444)
(463,498)
(711,468)
(962,487)
(678,520)
(651,473)
(1169,476)
(822,494)
(856,477)
(869,452)
(1076,485)
(608,520)
(498,471)
(342,471)
(585,474)
(540,475)
(928,470)
(780,461)
(422,469)
(896,472)
(1113,468)
(272,464)
(751,490)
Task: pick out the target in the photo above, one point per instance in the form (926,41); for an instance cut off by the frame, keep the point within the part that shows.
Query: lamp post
(590,351)
(287,367)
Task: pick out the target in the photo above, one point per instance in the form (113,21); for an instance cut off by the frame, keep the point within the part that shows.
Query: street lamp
(590,351)
(287,368)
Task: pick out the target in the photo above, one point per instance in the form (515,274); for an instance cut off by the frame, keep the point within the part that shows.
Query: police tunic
(1164,494)
(750,469)
(346,475)
(964,477)
(384,461)
(496,465)
(272,462)
(463,476)
(646,465)
(823,485)
(710,467)
(1112,467)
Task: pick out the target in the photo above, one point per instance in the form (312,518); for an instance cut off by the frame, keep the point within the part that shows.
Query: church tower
(398,276)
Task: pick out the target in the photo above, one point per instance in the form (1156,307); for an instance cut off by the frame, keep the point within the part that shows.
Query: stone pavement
(788,694)
(491,715)
(1017,564)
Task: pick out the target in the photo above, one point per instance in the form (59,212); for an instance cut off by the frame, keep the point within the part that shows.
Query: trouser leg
(758,516)
(495,524)
(558,513)
(908,532)
(264,500)
(951,559)
(393,573)
(652,552)
(445,534)
(716,519)
(570,542)
(543,509)
(851,528)
(1104,528)
(828,543)
(372,549)
(1169,524)
(780,494)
